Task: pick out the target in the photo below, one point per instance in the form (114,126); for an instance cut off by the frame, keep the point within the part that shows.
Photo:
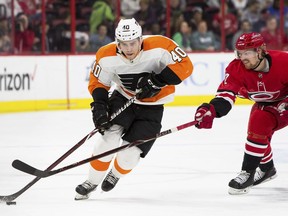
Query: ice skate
(242,183)
(109,182)
(84,190)
(261,177)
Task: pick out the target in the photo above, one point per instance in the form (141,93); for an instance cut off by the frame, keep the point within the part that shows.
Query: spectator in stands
(230,25)
(177,14)
(82,41)
(102,12)
(204,40)
(160,23)
(29,7)
(274,10)
(61,42)
(245,27)
(200,3)
(261,23)
(197,17)
(252,12)
(237,7)
(38,38)
(181,4)
(3,12)
(213,3)
(5,42)
(7,4)
(272,36)
(61,36)
(266,4)
(99,39)
(183,36)
(159,8)
(146,16)
(129,8)
(24,36)
(156,29)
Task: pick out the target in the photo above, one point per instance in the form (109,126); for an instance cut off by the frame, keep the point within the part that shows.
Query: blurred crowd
(194,25)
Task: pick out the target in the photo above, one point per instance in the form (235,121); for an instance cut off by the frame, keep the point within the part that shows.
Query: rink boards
(59,82)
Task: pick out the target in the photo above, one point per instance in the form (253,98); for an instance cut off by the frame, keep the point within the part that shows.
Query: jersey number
(226,77)
(96,69)
(178,54)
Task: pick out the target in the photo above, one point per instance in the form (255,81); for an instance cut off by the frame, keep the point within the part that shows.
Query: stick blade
(24,167)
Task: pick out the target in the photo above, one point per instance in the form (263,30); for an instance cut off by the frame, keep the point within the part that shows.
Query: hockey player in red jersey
(146,66)
(262,77)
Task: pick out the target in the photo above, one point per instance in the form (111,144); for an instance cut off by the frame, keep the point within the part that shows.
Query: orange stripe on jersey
(119,169)
(182,70)
(108,50)
(157,41)
(100,165)
(167,90)
(94,83)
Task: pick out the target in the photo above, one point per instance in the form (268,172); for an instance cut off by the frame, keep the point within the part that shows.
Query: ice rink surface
(185,174)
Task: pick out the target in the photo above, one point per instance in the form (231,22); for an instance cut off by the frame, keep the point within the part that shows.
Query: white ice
(185,174)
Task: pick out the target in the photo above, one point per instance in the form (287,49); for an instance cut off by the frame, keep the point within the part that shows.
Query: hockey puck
(11,203)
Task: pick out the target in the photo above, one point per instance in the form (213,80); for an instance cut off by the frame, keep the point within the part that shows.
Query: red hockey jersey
(257,86)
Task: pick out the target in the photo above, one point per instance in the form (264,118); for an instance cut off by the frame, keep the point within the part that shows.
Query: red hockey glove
(205,115)
(283,108)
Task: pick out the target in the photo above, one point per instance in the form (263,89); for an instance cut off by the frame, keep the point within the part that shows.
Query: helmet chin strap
(260,60)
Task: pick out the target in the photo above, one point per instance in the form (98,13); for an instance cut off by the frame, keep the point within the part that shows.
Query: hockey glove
(100,116)
(205,115)
(283,108)
(148,86)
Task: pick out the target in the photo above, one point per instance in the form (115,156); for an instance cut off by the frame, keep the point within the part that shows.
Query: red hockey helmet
(249,41)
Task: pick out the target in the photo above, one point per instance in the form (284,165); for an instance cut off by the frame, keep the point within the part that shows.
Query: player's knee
(259,138)
(128,158)
(109,140)
(114,132)
(262,121)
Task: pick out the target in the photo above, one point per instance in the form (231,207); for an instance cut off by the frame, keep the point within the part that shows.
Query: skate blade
(233,191)
(266,180)
(81,197)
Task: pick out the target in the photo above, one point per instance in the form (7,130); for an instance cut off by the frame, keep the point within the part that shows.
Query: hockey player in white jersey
(146,66)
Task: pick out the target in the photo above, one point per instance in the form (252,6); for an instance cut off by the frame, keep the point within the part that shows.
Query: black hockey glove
(101,118)
(148,86)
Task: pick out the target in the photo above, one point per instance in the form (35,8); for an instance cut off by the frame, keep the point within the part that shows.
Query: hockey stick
(33,171)
(11,197)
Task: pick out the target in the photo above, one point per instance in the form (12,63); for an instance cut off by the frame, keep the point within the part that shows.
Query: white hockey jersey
(157,53)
